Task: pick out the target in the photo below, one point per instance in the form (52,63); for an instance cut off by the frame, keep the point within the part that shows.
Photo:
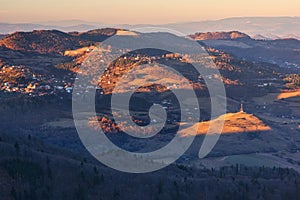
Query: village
(18,79)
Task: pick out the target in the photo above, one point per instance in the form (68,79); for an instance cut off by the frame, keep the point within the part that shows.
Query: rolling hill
(239,122)
(53,41)
(40,41)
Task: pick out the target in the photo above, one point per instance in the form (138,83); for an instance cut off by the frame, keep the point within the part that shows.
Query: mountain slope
(239,122)
(40,41)
(54,41)
(283,52)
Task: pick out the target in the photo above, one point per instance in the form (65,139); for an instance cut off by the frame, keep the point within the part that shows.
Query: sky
(141,11)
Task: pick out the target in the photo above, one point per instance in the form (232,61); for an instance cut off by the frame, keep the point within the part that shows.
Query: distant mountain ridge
(7,28)
(220,35)
(260,27)
(269,27)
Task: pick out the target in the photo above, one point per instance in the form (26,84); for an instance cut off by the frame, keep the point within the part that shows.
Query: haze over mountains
(269,27)
(257,27)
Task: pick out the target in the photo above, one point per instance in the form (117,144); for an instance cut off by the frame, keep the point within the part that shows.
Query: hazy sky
(141,11)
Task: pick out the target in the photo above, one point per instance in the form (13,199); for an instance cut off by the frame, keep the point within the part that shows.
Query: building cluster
(19,79)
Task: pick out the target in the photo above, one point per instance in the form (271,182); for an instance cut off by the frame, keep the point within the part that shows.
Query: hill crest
(220,35)
(239,122)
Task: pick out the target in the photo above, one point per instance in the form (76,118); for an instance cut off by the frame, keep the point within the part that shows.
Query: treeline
(33,171)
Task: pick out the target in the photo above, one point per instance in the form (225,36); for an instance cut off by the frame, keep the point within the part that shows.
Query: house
(69,89)
(59,87)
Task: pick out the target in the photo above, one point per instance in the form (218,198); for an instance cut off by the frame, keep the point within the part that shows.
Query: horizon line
(116,24)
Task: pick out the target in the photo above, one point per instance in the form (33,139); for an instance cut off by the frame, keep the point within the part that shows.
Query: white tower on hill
(242,108)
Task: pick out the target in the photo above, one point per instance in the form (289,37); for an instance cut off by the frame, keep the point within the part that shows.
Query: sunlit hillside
(288,94)
(233,123)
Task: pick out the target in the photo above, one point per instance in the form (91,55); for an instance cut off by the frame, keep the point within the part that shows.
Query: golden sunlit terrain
(126,33)
(233,123)
(288,94)
(78,52)
(149,74)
